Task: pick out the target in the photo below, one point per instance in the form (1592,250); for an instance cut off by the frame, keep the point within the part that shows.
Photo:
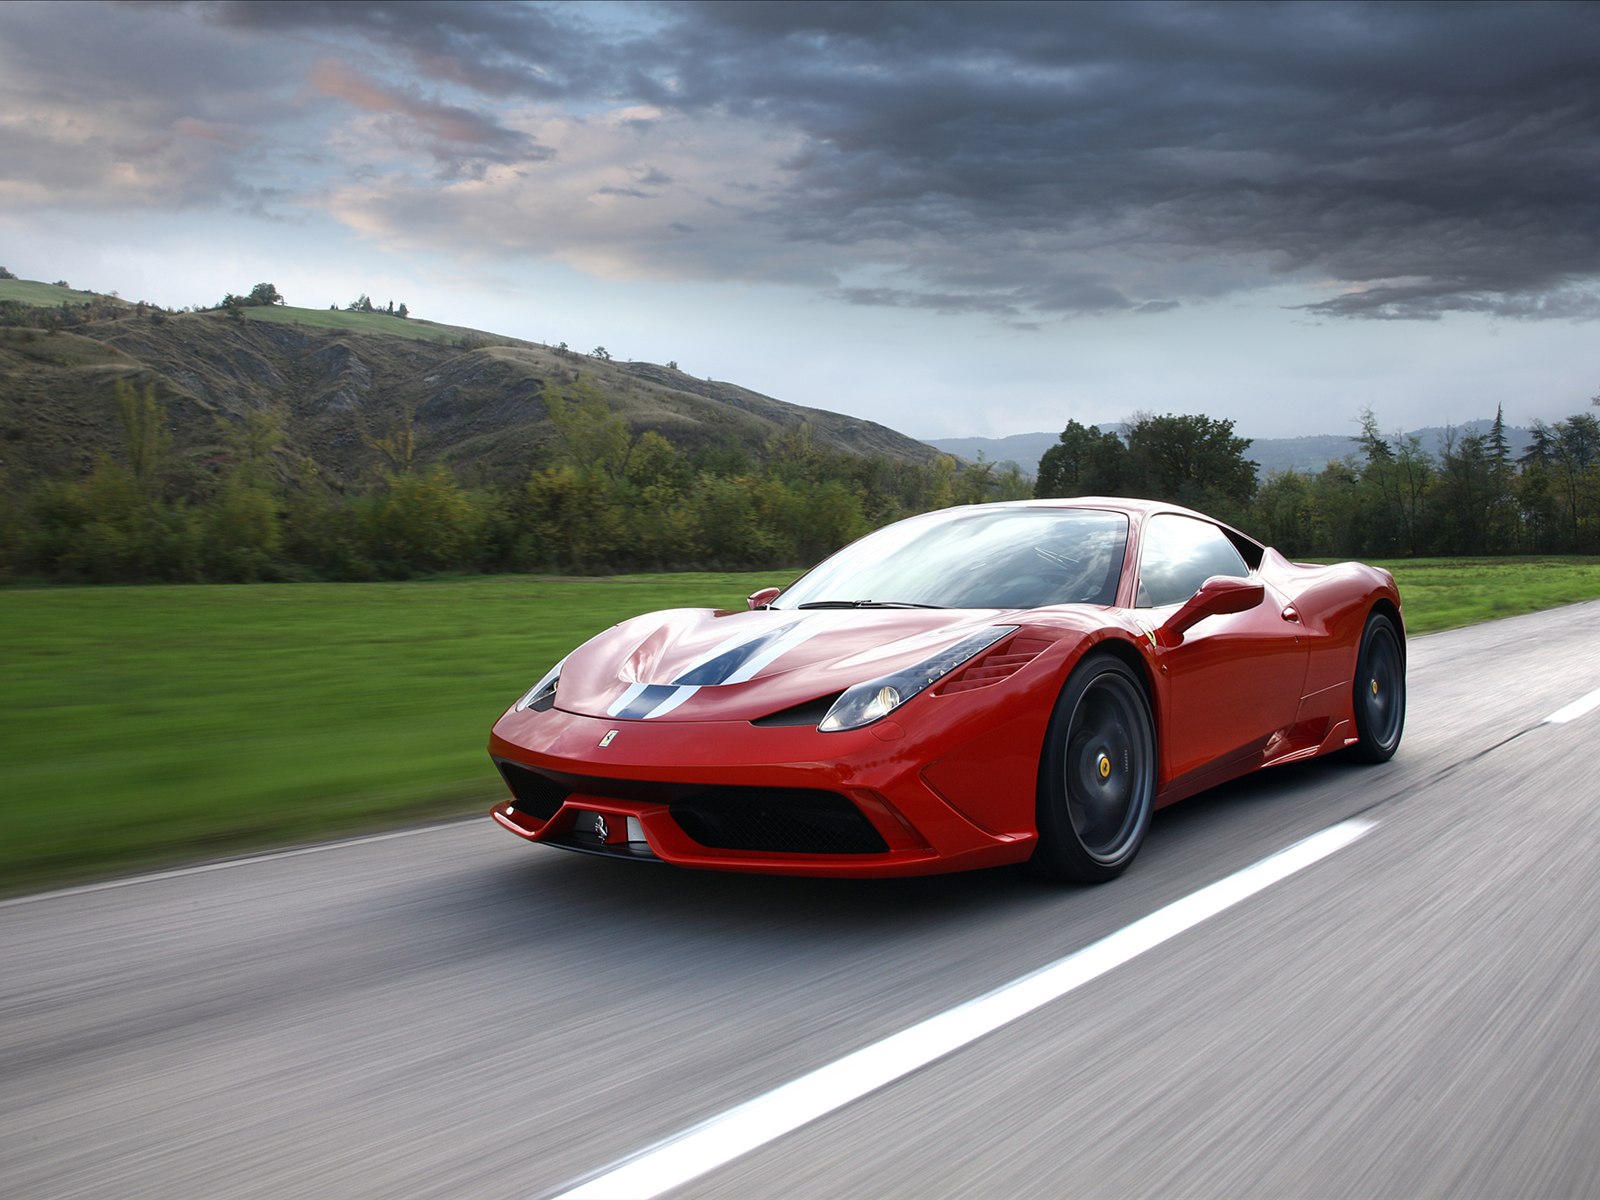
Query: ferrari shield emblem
(606,741)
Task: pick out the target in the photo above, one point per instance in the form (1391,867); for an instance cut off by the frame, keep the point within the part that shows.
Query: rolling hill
(340,382)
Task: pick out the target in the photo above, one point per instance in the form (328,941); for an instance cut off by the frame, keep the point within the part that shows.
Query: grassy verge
(149,725)
(154,724)
(1444,593)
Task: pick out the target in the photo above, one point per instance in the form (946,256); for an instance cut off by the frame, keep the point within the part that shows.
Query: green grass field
(1443,593)
(156,724)
(47,295)
(150,725)
(357,322)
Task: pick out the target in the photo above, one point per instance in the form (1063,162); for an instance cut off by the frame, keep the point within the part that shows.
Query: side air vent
(1002,662)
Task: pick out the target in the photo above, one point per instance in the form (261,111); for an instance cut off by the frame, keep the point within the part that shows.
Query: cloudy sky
(955,219)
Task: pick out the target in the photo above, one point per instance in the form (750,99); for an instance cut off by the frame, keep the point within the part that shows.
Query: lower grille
(536,794)
(785,820)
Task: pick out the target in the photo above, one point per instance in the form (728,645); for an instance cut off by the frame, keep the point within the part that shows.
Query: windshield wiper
(867,604)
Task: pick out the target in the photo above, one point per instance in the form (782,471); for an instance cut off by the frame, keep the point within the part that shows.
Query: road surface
(449,1012)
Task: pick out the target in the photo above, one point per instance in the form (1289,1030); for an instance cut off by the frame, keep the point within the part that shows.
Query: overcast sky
(955,219)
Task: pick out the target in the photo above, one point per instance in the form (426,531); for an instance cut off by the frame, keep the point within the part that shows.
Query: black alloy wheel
(1097,776)
(1380,692)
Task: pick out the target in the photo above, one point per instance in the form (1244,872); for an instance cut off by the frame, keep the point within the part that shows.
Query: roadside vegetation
(152,725)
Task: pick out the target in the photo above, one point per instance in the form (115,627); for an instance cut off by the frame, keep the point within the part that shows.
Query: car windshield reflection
(974,558)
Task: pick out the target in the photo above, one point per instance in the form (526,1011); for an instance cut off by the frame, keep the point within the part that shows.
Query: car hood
(704,665)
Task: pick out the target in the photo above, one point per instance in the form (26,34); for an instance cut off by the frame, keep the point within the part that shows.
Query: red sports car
(988,684)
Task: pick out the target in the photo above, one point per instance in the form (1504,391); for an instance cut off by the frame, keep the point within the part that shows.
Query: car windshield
(974,558)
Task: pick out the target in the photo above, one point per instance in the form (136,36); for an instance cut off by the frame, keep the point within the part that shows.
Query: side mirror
(1217,595)
(762,598)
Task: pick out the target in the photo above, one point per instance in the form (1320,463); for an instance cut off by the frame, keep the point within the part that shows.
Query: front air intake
(778,820)
(535,794)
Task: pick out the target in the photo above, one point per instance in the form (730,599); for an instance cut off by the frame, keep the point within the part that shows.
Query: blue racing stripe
(646,702)
(725,664)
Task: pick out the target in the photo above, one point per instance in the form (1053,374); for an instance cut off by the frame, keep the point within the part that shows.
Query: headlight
(543,694)
(877,698)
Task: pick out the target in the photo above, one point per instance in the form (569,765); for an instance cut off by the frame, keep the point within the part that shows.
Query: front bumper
(734,796)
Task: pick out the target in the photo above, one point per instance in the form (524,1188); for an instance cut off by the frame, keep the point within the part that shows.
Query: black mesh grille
(534,792)
(788,820)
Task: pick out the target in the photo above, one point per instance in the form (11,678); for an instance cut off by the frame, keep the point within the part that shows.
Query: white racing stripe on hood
(645,701)
(672,701)
(800,631)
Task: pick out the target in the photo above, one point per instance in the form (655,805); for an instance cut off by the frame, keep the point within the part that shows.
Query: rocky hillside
(469,400)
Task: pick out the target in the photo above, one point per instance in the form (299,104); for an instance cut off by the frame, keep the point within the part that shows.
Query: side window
(1178,555)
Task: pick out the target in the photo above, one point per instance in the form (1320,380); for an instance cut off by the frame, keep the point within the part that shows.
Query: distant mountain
(340,383)
(1023,449)
(1307,455)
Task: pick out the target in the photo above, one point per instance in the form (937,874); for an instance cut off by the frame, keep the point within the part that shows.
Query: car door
(1234,679)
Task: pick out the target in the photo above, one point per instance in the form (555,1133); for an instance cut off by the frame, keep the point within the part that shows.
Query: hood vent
(1002,662)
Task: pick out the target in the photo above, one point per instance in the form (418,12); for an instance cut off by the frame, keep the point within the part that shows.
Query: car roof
(1125,504)
(1130,505)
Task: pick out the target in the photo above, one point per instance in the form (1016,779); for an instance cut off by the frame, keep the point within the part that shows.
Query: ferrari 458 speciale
(989,684)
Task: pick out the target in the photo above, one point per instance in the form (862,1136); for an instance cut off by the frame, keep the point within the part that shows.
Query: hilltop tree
(264,295)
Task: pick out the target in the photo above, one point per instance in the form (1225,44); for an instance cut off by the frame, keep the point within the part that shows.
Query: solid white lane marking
(723,1138)
(1578,708)
(228,863)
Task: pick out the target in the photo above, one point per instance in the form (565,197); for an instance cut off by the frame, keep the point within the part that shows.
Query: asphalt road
(453,1013)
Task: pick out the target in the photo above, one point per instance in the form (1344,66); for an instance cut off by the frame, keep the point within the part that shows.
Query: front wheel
(1380,692)
(1097,777)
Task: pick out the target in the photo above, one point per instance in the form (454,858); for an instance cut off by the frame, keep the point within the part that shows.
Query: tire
(1379,692)
(1097,775)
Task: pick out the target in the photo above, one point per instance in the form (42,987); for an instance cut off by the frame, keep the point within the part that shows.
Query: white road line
(723,1138)
(1578,708)
(225,864)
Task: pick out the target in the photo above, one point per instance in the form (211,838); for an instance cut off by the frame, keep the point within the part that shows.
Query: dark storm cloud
(495,48)
(1030,160)
(1454,148)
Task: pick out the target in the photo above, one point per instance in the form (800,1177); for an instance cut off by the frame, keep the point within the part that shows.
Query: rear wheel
(1380,692)
(1097,778)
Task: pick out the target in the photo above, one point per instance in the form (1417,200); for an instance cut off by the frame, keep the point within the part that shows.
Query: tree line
(1391,498)
(607,499)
